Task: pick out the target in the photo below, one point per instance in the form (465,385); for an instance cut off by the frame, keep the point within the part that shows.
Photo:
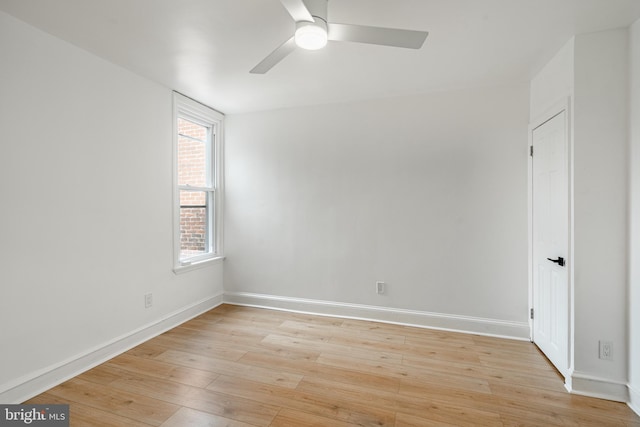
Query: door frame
(557,108)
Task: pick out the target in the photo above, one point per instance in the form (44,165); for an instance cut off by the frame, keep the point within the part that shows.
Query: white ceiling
(205,48)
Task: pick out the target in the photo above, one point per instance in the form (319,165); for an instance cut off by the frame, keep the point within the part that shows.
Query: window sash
(210,148)
(209,244)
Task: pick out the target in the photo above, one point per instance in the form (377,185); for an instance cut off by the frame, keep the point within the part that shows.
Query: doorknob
(559,261)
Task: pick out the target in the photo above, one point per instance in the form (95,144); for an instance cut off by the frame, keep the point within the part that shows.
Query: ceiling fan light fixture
(312,32)
(311,35)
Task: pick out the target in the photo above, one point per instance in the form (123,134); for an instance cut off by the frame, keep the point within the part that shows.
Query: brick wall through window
(192,170)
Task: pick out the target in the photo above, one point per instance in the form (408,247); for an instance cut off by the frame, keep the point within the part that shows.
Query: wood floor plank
(427,351)
(430,378)
(310,331)
(221,366)
(242,366)
(199,345)
(380,367)
(123,403)
(381,335)
(314,319)
(291,353)
(164,390)
(232,407)
(149,349)
(203,323)
(519,364)
(544,378)
(81,415)
(187,417)
(293,418)
(250,337)
(504,345)
(215,345)
(258,392)
(322,405)
(157,368)
(388,400)
(101,374)
(313,369)
(474,400)
(248,315)
(405,420)
(278,341)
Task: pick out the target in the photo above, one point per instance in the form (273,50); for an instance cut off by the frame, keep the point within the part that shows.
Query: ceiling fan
(313,31)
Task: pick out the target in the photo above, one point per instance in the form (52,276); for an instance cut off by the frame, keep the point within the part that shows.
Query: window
(198,183)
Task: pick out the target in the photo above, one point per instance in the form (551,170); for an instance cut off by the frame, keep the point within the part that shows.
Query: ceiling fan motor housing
(313,35)
(317,9)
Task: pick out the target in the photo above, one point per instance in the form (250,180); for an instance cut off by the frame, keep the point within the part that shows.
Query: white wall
(600,202)
(427,193)
(86,218)
(553,84)
(634,279)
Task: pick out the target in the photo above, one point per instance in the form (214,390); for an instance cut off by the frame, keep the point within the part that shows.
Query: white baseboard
(467,324)
(35,383)
(602,388)
(634,399)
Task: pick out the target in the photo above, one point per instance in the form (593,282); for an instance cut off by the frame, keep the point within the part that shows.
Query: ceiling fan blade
(377,35)
(298,10)
(274,57)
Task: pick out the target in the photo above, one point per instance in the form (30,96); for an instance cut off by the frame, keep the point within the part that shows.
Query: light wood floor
(238,366)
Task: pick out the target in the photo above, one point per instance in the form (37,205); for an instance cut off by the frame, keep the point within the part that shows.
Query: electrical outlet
(148,300)
(380,288)
(606,350)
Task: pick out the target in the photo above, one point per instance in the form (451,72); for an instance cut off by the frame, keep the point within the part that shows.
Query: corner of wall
(634,224)
(554,82)
(26,387)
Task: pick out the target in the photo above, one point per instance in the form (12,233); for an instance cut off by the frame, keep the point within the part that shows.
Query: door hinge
(531,313)
(531,150)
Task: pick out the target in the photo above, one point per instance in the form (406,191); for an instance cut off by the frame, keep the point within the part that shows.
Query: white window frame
(193,111)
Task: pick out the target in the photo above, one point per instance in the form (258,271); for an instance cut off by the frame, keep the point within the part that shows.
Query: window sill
(183,268)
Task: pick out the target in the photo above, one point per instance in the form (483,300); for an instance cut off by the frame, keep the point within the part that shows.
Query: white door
(551,241)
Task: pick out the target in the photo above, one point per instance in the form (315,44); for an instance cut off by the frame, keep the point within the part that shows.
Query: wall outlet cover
(148,300)
(606,350)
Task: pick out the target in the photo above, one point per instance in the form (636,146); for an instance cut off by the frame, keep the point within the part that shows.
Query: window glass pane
(193,130)
(192,154)
(194,211)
